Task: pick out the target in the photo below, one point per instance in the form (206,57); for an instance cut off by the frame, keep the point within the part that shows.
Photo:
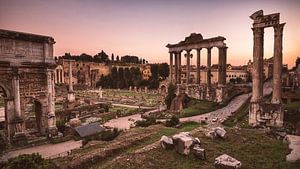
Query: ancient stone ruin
(27,77)
(262,112)
(199,87)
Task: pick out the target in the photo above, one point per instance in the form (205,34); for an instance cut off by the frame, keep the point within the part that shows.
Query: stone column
(277,66)
(208,66)
(171,67)
(70,77)
(71,95)
(220,65)
(17,100)
(63,76)
(198,66)
(223,66)
(188,67)
(176,68)
(18,119)
(257,70)
(179,67)
(52,130)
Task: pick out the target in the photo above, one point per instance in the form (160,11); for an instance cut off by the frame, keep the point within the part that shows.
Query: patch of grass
(197,107)
(252,147)
(1,102)
(239,117)
(292,106)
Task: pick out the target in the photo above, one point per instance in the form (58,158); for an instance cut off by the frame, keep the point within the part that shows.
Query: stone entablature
(26,50)
(27,75)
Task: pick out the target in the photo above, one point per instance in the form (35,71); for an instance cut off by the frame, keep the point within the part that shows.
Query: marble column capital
(257,31)
(278,29)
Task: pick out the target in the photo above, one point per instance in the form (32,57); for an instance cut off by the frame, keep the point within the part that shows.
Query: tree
(118,58)
(101,57)
(112,57)
(171,95)
(163,70)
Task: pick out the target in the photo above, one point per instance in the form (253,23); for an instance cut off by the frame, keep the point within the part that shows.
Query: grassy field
(168,131)
(123,111)
(292,106)
(199,107)
(239,118)
(252,147)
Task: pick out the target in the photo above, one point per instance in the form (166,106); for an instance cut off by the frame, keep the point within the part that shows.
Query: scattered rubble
(226,162)
(183,142)
(216,132)
(199,152)
(166,142)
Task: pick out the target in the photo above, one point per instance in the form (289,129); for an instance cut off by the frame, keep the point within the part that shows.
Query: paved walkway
(123,123)
(46,150)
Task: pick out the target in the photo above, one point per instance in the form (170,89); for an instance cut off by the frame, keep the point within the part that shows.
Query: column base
(221,93)
(265,114)
(71,96)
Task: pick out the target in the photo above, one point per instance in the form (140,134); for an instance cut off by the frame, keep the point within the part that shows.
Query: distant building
(233,73)
(267,67)
(89,73)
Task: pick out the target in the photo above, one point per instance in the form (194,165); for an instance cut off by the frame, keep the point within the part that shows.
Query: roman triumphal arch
(27,75)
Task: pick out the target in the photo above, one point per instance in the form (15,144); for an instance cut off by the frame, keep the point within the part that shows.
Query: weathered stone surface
(183,142)
(226,162)
(166,142)
(75,122)
(220,132)
(294,144)
(211,134)
(199,152)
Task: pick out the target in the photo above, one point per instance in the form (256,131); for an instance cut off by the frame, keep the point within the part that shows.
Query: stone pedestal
(265,114)
(71,96)
(220,93)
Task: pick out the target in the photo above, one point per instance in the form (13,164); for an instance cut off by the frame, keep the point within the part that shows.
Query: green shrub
(29,161)
(108,135)
(147,122)
(60,124)
(172,122)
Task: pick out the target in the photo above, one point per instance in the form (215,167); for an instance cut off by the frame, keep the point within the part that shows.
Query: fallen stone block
(294,145)
(183,142)
(199,152)
(226,162)
(220,132)
(211,134)
(166,142)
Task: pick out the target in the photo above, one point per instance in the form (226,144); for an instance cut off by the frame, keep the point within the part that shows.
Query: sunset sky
(144,27)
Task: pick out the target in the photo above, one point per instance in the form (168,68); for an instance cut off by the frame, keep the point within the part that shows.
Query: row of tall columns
(59,76)
(177,71)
